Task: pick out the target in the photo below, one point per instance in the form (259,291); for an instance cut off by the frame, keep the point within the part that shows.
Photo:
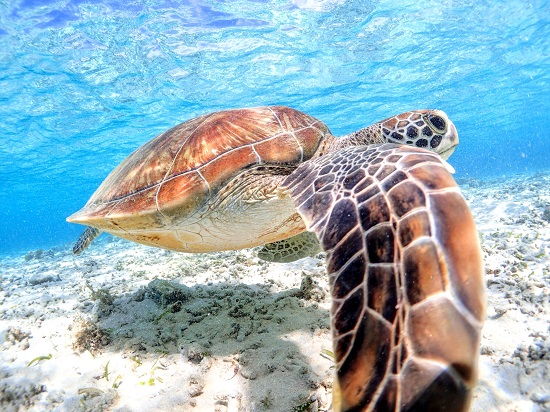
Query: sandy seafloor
(124,327)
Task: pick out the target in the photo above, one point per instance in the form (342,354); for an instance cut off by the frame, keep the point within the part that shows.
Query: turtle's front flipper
(289,250)
(405,272)
(89,234)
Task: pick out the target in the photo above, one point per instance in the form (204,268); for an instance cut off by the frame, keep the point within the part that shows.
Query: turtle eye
(437,122)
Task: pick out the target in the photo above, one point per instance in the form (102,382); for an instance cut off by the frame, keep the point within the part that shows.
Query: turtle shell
(175,174)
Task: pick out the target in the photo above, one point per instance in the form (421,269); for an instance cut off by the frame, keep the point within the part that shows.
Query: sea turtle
(402,252)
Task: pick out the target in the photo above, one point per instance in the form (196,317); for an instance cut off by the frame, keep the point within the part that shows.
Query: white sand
(246,335)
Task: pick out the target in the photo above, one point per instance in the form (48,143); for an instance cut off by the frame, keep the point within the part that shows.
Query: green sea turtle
(402,252)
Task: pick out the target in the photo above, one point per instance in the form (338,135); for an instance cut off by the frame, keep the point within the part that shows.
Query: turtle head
(430,129)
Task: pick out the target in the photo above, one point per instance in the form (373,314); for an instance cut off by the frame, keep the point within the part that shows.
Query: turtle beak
(449,142)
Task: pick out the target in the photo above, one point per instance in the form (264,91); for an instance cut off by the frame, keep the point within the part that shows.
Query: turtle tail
(89,234)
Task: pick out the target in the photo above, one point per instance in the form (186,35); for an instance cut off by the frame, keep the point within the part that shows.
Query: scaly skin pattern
(406,276)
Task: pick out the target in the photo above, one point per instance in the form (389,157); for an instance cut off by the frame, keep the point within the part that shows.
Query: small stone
(546,213)
(485,350)
(540,397)
(194,353)
(241,335)
(39,278)
(24,345)
(166,293)
(248,374)
(14,335)
(196,387)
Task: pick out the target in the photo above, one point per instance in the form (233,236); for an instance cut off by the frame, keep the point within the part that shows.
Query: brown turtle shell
(177,172)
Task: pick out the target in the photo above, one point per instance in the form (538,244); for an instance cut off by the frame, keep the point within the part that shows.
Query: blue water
(83,83)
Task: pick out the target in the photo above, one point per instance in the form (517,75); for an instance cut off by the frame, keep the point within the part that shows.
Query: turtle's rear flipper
(289,250)
(89,234)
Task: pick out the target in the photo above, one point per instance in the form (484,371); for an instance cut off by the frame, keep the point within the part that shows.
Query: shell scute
(145,200)
(146,166)
(224,167)
(190,186)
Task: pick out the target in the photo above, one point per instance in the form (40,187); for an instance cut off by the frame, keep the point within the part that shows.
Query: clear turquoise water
(83,83)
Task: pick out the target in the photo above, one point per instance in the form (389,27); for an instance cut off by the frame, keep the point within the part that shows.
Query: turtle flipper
(289,250)
(89,234)
(405,272)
